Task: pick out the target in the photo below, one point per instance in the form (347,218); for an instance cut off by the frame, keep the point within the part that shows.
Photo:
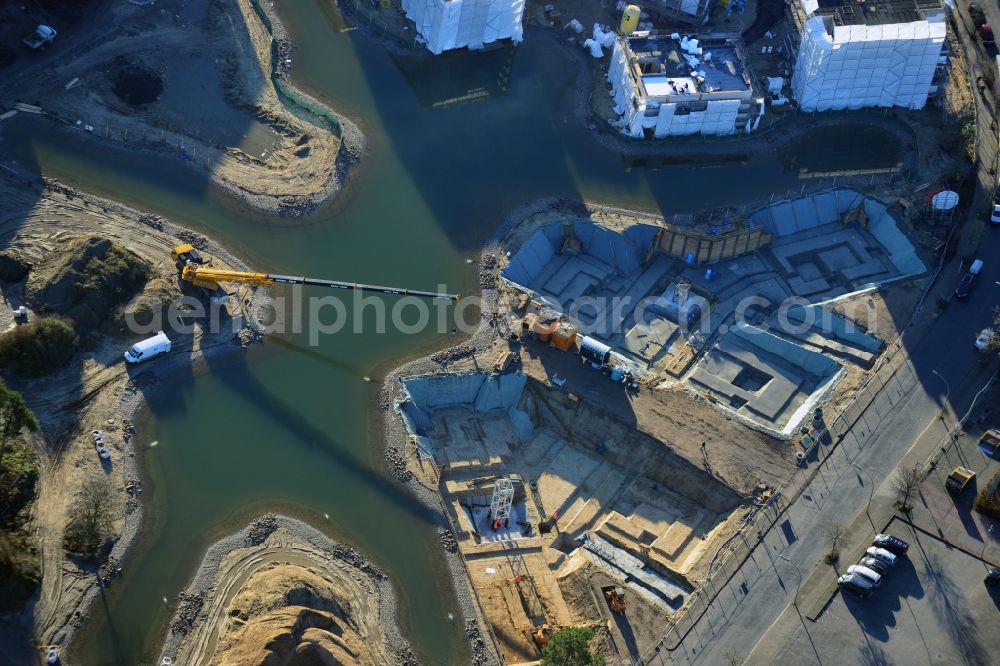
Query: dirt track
(217,111)
(237,565)
(94,392)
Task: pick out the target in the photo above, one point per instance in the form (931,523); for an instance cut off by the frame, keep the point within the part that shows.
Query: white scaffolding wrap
(867,65)
(455,24)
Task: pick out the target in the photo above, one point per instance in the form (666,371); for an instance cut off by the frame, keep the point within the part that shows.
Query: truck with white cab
(148,348)
(41,37)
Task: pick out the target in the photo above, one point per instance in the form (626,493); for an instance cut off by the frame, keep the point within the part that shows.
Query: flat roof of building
(876,12)
(668,69)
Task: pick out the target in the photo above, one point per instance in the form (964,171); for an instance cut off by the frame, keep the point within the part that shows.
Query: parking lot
(932,608)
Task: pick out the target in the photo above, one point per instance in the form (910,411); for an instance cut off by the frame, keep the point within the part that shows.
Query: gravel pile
(195,239)
(405,657)
(478,652)
(395,464)
(283,49)
(448,541)
(187,610)
(152,221)
(259,529)
(110,568)
(488,271)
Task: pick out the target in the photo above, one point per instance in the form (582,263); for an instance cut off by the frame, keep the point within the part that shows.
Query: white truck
(148,348)
(41,37)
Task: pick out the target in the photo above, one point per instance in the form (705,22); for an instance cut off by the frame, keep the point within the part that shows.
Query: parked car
(855,584)
(989,443)
(148,348)
(993,577)
(995,215)
(872,577)
(893,544)
(881,554)
(876,565)
(969,279)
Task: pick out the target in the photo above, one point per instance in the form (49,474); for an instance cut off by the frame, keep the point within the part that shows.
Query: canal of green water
(292,427)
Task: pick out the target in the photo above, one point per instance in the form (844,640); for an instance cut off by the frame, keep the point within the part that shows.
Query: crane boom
(209,278)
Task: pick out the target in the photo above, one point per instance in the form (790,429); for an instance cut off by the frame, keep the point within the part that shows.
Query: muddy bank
(257,589)
(97,391)
(206,84)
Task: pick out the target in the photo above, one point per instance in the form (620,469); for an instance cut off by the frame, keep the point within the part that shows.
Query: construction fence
(698,247)
(298,98)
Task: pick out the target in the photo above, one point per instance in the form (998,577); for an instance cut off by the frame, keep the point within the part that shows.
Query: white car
(984,339)
(871,576)
(995,216)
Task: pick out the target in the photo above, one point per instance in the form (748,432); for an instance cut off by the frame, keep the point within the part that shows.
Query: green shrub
(38,348)
(19,473)
(570,647)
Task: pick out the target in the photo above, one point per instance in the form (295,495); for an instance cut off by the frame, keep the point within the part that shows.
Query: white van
(148,348)
(881,554)
(864,572)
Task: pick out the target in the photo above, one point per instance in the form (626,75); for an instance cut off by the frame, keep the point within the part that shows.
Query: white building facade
(674,86)
(456,24)
(863,62)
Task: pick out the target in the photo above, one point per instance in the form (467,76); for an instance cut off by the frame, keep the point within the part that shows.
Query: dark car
(875,565)
(965,286)
(993,577)
(891,543)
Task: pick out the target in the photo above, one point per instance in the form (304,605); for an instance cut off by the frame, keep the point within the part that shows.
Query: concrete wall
(622,251)
(831,323)
(812,362)
(480,391)
(803,213)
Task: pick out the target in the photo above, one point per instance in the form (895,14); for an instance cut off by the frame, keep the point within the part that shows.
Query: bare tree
(834,533)
(905,482)
(89,518)
(733,657)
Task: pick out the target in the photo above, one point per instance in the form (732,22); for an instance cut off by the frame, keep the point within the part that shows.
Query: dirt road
(95,392)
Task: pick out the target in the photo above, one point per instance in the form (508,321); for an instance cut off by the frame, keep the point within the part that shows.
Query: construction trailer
(673,84)
(873,53)
(454,24)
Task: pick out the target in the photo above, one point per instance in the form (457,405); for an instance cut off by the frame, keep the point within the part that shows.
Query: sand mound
(86,279)
(287,614)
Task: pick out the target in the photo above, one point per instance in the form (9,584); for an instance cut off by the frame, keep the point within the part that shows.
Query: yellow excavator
(194,271)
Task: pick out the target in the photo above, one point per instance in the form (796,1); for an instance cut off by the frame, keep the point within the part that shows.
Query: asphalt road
(932,608)
(943,371)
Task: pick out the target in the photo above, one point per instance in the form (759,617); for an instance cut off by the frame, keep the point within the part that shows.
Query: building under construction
(456,24)
(674,85)
(862,53)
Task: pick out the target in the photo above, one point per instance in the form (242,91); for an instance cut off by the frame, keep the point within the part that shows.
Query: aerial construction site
(686,351)
(635,409)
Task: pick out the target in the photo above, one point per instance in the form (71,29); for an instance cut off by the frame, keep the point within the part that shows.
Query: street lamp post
(947,397)
(982,555)
(871,492)
(798,586)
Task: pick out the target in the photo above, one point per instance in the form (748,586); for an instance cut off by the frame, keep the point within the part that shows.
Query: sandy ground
(739,456)
(95,392)
(279,587)
(217,109)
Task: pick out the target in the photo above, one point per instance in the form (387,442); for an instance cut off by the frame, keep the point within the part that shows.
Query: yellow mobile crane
(194,271)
